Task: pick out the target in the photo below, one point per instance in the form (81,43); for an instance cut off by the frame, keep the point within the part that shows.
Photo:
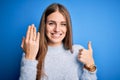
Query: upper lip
(57,33)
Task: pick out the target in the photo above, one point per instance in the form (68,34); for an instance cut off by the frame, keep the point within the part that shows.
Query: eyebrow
(51,21)
(55,21)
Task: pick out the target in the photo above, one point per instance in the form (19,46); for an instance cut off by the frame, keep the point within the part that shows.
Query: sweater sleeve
(83,73)
(87,75)
(28,69)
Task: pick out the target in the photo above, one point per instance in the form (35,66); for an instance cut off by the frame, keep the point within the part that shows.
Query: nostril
(57,29)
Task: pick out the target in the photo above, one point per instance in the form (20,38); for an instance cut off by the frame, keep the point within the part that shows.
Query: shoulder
(76,48)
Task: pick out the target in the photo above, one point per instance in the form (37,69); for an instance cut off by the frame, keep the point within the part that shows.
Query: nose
(57,28)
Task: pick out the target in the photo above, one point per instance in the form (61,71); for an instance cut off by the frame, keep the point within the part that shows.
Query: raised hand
(86,55)
(30,44)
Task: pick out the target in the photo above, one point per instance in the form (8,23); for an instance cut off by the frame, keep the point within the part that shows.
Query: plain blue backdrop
(94,20)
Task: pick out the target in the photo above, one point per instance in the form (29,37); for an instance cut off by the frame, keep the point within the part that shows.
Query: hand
(86,56)
(30,44)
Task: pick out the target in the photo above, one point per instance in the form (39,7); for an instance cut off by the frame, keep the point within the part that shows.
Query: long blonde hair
(67,41)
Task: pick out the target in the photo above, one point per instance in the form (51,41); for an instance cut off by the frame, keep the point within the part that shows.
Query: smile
(56,35)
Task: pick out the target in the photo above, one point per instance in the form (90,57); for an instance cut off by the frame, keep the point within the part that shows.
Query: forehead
(56,16)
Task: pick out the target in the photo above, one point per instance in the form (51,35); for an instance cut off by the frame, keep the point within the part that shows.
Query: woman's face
(56,28)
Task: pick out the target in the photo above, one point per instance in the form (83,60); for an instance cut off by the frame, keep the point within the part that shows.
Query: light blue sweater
(60,64)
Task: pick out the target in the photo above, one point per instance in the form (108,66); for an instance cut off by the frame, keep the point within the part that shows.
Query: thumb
(89,46)
(38,37)
(23,40)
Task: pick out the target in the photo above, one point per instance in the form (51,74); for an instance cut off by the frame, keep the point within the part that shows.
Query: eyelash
(51,23)
(62,24)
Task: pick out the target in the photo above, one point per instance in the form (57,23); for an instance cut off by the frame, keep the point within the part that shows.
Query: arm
(28,69)
(87,75)
(30,45)
(88,69)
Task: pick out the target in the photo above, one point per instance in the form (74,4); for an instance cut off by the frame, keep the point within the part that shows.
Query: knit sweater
(60,64)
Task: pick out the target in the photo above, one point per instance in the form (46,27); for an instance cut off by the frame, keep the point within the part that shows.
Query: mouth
(56,35)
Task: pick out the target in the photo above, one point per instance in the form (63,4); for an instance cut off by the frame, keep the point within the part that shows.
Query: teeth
(56,35)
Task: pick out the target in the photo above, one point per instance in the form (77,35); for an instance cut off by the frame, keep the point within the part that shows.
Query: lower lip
(56,36)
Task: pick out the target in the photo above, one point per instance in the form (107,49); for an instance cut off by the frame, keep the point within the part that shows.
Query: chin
(56,41)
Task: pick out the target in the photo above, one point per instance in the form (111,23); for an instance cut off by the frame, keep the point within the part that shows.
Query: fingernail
(33,25)
(90,42)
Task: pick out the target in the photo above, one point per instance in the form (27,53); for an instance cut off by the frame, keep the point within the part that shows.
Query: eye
(50,23)
(63,24)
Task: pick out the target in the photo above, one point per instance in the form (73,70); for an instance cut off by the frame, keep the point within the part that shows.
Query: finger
(22,44)
(89,46)
(31,33)
(34,32)
(81,60)
(28,33)
(80,50)
(79,56)
(38,37)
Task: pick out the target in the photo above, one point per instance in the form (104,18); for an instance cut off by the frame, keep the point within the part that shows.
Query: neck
(57,48)
(54,44)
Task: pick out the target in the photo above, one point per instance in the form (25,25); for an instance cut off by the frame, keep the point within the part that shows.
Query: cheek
(65,30)
(48,30)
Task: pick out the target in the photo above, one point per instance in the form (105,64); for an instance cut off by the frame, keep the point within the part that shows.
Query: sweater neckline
(59,47)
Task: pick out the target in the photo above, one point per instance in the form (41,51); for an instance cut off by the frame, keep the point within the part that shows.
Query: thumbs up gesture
(86,55)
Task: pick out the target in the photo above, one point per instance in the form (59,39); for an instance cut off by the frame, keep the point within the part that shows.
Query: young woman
(49,53)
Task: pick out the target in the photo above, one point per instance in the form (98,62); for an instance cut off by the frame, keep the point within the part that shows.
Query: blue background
(94,20)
